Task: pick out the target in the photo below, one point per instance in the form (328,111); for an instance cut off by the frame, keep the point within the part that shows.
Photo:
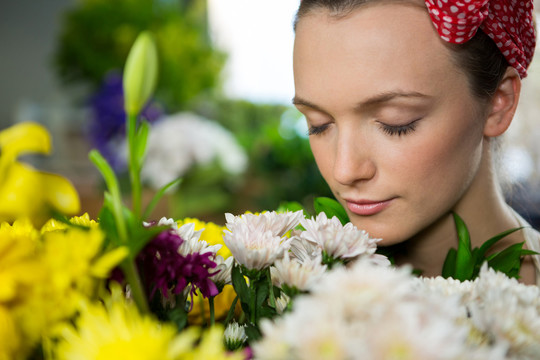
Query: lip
(367,207)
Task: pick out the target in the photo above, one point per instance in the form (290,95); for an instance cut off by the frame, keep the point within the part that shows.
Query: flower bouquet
(273,285)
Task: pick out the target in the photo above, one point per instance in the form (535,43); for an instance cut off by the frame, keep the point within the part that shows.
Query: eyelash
(399,130)
(316,130)
(388,129)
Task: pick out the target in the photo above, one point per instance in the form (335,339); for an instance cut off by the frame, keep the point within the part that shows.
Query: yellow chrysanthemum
(10,340)
(70,264)
(75,259)
(83,220)
(212,234)
(117,330)
(19,265)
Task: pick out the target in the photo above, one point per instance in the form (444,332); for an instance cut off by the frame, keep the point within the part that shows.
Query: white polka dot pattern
(508,22)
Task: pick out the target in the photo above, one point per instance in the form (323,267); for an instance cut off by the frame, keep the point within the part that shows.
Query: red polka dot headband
(508,22)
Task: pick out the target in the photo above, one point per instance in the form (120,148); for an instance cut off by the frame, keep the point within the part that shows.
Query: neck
(483,209)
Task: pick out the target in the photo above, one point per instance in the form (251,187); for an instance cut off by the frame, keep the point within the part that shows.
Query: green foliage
(96,36)
(331,208)
(464,263)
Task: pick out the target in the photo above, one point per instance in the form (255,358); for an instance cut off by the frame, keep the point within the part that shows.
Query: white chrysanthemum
(338,241)
(234,336)
(369,312)
(282,303)
(256,241)
(180,141)
(450,287)
(304,250)
(507,312)
(277,223)
(297,274)
(223,270)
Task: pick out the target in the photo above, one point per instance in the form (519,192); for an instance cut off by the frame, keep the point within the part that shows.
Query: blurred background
(221,115)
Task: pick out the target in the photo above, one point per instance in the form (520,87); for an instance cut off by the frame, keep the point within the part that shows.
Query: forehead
(376,48)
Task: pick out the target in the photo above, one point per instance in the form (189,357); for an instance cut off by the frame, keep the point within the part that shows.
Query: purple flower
(163,268)
(107,129)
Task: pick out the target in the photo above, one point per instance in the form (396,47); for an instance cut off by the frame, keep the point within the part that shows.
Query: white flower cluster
(178,142)
(295,257)
(366,311)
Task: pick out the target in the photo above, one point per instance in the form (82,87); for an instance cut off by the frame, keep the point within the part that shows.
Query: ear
(503,104)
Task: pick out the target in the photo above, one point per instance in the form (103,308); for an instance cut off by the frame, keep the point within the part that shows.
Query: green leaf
(263,292)
(230,314)
(464,258)
(449,267)
(253,333)
(490,242)
(240,285)
(290,206)
(507,260)
(152,204)
(140,142)
(331,208)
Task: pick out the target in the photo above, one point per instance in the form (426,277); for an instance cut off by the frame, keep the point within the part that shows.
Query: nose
(354,160)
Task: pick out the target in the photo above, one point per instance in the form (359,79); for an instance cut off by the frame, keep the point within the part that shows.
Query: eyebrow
(376,100)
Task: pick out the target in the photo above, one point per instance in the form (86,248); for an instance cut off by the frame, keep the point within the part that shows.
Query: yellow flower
(24,191)
(116,330)
(212,234)
(83,220)
(19,266)
(10,340)
(75,259)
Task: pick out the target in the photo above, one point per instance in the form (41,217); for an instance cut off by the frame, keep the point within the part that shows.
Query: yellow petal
(21,194)
(60,193)
(26,137)
(103,266)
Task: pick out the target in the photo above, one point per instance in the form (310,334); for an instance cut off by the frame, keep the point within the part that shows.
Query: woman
(404,101)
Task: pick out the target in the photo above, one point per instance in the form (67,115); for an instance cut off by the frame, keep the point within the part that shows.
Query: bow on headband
(508,22)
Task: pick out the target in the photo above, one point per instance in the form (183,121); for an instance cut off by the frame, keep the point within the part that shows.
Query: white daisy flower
(304,250)
(256,241)
(282,303)
(508,312)
(338,241)
(222,272)
(297,274)
(234,336)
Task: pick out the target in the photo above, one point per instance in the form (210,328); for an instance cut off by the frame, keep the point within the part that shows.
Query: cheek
(447,161)
(324,156)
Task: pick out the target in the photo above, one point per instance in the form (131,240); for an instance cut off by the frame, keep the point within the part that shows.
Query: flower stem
(134,171)
(134,281)
(271,290)
(212,314)
(253,298)
(201,307)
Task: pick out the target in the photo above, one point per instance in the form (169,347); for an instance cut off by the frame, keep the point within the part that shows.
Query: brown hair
(479,58)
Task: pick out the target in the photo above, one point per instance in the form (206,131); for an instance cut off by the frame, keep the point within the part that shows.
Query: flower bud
(140,73)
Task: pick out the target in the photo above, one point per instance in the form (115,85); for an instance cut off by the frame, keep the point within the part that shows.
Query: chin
(389,234)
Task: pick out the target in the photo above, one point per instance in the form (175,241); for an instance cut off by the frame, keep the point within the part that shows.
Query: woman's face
(394,128)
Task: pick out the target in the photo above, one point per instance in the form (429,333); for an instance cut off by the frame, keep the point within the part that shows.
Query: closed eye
(399,130)
(316,130)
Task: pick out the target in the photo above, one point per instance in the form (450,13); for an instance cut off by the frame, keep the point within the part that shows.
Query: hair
(479,58)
